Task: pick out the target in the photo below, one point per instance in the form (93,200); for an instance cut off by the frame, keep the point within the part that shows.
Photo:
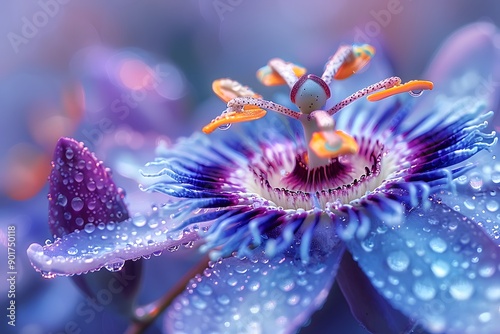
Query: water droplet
(469,204)
(223,299)
(224,127)
(232,281)
(415,93)
(240,269)
(62,200)
(254,309)
(72,251)
(204,289)
(398,261)
(493,292)
(139,220)
(476,182)
(440,268)
(115,265)
(79,221)
(424,290)
(461,290)
(78,177)
(485,317)
(91,186)
(77,204)
(69,154)
(438,245)
(492,205)
(89,228)
(199,303)
(487,270)
(254,286)
(286,285)
(367,245)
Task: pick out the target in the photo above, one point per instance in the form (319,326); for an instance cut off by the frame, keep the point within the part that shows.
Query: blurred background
(125,76)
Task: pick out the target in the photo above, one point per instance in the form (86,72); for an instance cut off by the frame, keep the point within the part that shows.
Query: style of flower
(285,204)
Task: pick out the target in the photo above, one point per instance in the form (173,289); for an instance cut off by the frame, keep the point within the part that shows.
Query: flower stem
(145,315)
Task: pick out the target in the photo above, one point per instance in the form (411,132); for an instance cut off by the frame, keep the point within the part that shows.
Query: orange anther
(362,56)
(227,89)
(249,113)
(414,86)
(269,77)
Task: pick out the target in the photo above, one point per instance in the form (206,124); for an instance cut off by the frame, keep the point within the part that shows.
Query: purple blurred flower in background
(386,221)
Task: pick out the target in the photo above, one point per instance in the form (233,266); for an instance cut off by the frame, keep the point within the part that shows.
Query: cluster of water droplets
(110,245)
(82,194)
(255,294)
(479,197)
(437,265)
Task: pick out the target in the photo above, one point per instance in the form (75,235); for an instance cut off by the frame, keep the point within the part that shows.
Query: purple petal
(438,267)
(109,246)
(255,293)
(81,191)
(367,305)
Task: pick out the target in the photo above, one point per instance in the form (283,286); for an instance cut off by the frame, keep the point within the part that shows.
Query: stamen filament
(386,83)
(238,103)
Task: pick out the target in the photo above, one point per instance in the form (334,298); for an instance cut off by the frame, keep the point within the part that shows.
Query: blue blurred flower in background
(95,73)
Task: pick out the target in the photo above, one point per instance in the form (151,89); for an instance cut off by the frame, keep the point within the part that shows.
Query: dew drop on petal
(223,299)
(232,281)
(62,200)
(77,204)
(286,284)
(485,317)
(492,205)
(440,268)
(493,292)
(79,221)
(91,186)
(78,177)
(461,290)
(69,154)
(424,290)
(72,251)
(89,228)
(115,265)
(438,245)
(398,261)
(139,220)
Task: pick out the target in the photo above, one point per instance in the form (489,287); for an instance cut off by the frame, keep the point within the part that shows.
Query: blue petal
(438,267)
(367,305)
(477,194)
(257,294)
